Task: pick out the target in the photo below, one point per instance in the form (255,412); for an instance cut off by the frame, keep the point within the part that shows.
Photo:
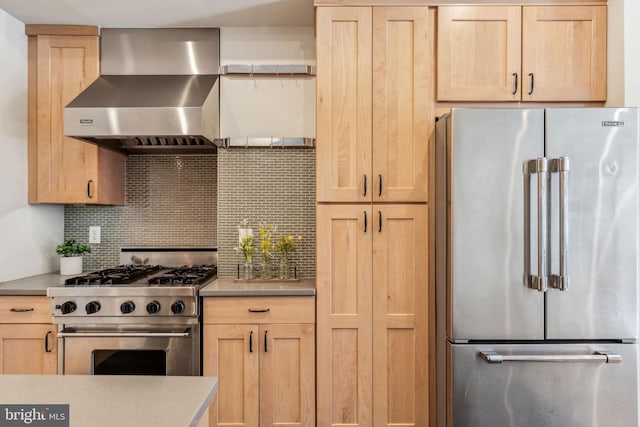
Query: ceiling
(163,13)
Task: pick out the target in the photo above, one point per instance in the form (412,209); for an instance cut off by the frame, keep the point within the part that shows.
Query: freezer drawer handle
(539,167)
(561,166)
(598,356)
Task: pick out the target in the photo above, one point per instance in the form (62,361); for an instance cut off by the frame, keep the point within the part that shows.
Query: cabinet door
(564,53)
(60,168)
(230,352)
(28,349)
(479,53)
(401,278)
(343,110)
(287,375)
(402,108)
(344,369)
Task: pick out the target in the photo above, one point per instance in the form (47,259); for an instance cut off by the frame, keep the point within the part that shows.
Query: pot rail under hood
(158,92)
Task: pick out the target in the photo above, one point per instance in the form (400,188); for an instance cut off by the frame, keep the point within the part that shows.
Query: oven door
(126,351)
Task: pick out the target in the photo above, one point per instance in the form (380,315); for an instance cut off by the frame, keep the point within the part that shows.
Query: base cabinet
(373,311)
(28,344)
(265,365)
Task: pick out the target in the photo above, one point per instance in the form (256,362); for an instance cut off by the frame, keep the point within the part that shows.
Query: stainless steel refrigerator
(537,267)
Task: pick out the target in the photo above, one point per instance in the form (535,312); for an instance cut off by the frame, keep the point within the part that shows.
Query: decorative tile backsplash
(199,200)
(170,202)
(275,186)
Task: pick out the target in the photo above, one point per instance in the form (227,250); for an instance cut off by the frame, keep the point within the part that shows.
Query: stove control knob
(68,307)
(153,307)
(93,307)
(127,307)
(177,307)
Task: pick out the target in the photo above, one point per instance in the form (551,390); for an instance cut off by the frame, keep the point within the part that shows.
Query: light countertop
(37,285)
(232,287)
(33,285)
(115,400)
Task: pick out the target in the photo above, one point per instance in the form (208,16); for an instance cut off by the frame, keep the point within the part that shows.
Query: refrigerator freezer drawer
(560,385)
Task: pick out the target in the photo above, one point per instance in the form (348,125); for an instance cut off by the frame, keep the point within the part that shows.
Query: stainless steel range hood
(158,92)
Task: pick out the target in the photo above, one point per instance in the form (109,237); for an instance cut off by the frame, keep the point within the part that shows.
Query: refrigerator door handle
(561,166)
(602,356)
(537,166)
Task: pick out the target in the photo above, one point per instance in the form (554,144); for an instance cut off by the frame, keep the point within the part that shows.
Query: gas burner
(121,275)
(185,275)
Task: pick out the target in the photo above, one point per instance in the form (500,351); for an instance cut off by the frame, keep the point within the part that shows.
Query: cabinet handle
(379,185)
(265,341)
(365,185)
(90,189)
(259,310)
(515,83)
(531,83)
(379,221)
(365,221)
(46,342)
(21,310)
(251,342)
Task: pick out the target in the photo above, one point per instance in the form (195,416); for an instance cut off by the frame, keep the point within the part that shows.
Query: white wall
(267,106)
(631,52)
(28,234)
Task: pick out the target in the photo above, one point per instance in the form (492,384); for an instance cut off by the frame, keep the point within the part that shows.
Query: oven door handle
(124,334)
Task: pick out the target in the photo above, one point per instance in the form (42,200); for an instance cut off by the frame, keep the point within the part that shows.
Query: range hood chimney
(158,92)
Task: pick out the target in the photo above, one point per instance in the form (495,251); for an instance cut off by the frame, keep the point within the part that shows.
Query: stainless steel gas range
(139,318)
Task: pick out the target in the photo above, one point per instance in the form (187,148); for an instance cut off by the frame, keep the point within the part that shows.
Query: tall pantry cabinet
(374,119)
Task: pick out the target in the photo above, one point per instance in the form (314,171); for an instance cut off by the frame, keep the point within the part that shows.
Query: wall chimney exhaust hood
(158,92)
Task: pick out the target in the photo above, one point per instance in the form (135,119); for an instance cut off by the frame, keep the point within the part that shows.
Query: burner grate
(121,275)
(186,275)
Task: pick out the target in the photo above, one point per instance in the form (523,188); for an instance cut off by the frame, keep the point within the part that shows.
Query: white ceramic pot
(70,265)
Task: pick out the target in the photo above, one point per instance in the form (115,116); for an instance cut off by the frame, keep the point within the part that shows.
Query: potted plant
(71,257)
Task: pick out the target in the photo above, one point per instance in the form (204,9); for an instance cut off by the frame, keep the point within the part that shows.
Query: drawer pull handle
(259,310)
(21,310)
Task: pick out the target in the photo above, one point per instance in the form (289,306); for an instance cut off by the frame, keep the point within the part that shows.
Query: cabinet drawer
(259,310)
(25,309)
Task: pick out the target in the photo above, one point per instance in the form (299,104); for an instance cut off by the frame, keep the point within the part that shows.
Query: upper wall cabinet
(373,111)
(528,53)
(63,60)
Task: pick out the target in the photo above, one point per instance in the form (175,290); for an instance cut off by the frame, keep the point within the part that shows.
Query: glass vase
(284,267)
(248,270)
(265,271)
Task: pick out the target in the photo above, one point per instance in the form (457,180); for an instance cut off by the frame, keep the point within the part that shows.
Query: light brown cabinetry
(522,53)
(263,352)
(27,337)
(373,311)
(374,119)
(63,61)
(374,109)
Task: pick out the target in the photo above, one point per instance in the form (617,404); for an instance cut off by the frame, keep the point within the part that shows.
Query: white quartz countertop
(225,287)
(115,400)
